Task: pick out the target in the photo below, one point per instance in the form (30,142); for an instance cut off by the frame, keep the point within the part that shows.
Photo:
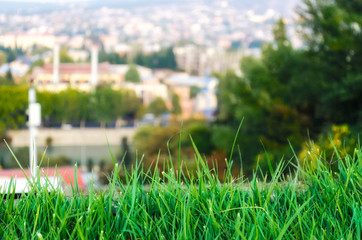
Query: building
(147,92)
(65,176)
(205,102)
(199,61)
(72,75)
(84,76)
(78,55)
(25,41)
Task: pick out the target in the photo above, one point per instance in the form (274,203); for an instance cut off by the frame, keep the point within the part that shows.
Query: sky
(284,7)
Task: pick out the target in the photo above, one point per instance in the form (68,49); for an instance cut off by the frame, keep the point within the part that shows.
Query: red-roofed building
(64,175)
(78,75)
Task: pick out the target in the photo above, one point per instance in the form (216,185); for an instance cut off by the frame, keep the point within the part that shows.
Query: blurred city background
(125,77)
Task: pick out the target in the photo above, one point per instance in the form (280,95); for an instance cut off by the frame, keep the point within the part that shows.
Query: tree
(11,53)
(286,92)
(37,63)
(112,58)
(150,140)
(201,135)
(103,105)
(7,79)
(64,56)
(132,75)
(194,91)
(270,95)
(280,34)
(332,32)
(13,105)
(165,58)
(157,107)
(176,107)
(3,57)
(125,154)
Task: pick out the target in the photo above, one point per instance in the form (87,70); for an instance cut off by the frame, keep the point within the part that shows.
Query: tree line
(291,102)
(103,105)
(289,96)
(165,58)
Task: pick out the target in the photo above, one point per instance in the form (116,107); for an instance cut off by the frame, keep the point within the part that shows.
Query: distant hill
(26,7)
(37,6)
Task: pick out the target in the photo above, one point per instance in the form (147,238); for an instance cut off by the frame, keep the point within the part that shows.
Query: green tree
(103,105)
(109,104)
(11,54)
(37,63)
(50,107)
(271,97)
(64,56)
(280,34)
(72,107)
(286,91)
(201,135)
(165,58)
(332,32)
(194,91)
(3,57)
(157,107)
(112,58)
(14,102)
(132,75)
(176,107)
(7,79)
(125,155)
(150,140)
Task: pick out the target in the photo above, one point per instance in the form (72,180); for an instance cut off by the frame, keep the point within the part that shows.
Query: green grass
(312,202)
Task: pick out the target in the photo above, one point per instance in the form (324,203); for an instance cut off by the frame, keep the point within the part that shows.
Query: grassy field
(311,202)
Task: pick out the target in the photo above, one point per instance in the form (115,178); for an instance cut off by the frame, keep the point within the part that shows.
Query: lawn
(311,201)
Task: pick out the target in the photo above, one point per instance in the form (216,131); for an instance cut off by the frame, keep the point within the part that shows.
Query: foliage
(201,135)
(112,58)
(310,203)
(151,140)
(66,106)
(176,107)
(132,75)
(126,154)
(194,91)
(3,57)
(334,41)
(7,79)
(162,59)
(157,107)
(337,137)
(222,138)
(11,54)
(37,50)
(13,105)
(37,63)
(64,56)
(103,105)
(288,95)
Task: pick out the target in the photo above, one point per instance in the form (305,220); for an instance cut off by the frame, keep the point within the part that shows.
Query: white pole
(56,63)
(32,151)
(94,65)
(34,112)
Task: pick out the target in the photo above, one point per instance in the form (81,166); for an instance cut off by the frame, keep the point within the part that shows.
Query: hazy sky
(44,1)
